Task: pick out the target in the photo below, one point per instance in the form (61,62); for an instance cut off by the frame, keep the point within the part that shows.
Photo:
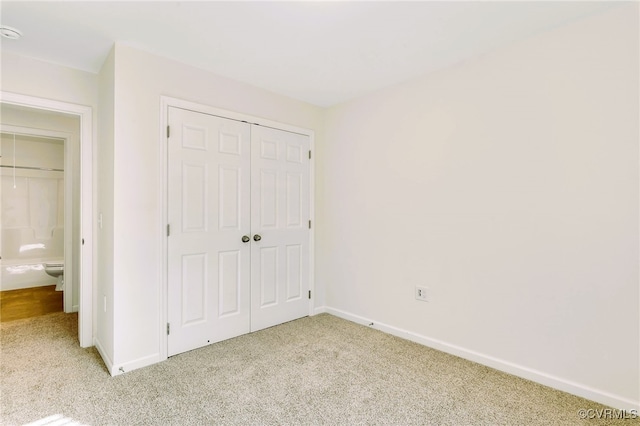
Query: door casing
(165,103)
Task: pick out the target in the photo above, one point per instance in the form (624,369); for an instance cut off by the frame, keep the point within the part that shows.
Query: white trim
(163,196)
(564,385)
(165,103)
(118,369)
(69,277)
(319,310)
(312,235)
(207,109)
(85,113)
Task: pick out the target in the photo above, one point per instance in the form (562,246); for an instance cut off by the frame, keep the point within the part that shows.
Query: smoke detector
(10,32)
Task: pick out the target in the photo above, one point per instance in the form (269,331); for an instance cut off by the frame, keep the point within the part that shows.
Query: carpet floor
(320,370)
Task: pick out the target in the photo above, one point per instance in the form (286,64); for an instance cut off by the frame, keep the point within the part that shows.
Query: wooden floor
(29,302)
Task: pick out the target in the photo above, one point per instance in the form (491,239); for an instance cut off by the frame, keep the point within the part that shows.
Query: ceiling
(323,52)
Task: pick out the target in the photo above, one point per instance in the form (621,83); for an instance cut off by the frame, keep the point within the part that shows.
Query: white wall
(33,77)
(32,151)
(140,80)
(104,312)
(509,186)
(26,221)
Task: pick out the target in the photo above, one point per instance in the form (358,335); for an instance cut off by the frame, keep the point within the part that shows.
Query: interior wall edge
(104,354)
(537,376)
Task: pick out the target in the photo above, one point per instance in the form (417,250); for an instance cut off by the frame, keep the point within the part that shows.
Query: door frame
(165,103)
(87,181)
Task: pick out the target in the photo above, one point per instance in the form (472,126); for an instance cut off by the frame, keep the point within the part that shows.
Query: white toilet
(56,270)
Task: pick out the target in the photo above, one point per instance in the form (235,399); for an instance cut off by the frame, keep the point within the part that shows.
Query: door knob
(257,237)
(245,238)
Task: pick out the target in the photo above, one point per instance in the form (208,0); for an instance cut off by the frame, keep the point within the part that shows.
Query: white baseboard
(135,364)
(577,389)
(117,369)
(105,358)
(319,310)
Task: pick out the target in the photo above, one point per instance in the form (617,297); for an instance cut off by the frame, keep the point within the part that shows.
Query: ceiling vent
(10,33)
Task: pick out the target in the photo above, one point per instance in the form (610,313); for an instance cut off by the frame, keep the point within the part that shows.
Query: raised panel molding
(230,143)
(194,184)
(229,283)
(268,205)
(194,137)
(294,272)
(194,288)
(229,202)
(269,276)
(268,150)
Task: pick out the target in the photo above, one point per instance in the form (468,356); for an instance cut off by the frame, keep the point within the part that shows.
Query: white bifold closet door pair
(238,211)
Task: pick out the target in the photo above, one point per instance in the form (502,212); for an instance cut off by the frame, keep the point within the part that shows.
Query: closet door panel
(208,212)
(238,208)
(279,216)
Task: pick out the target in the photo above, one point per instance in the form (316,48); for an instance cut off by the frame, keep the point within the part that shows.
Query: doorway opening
(41,121)
(39,207)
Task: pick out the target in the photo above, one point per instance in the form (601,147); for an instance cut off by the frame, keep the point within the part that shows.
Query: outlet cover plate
(422,293)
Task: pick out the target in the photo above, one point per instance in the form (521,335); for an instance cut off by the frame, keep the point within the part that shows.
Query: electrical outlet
(422,293)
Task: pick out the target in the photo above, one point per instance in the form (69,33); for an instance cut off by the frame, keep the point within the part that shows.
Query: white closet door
(208,214)
(280,220)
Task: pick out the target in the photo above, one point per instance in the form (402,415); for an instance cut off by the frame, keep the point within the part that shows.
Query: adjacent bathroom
(39,212)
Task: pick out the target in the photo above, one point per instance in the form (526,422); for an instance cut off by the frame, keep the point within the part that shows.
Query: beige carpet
(319,370)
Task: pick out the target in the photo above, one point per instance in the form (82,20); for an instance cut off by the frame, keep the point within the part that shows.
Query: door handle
(245,238)
(257,237)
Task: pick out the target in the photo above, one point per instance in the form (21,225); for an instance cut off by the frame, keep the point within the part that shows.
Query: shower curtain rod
(29,135)
(44,169)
